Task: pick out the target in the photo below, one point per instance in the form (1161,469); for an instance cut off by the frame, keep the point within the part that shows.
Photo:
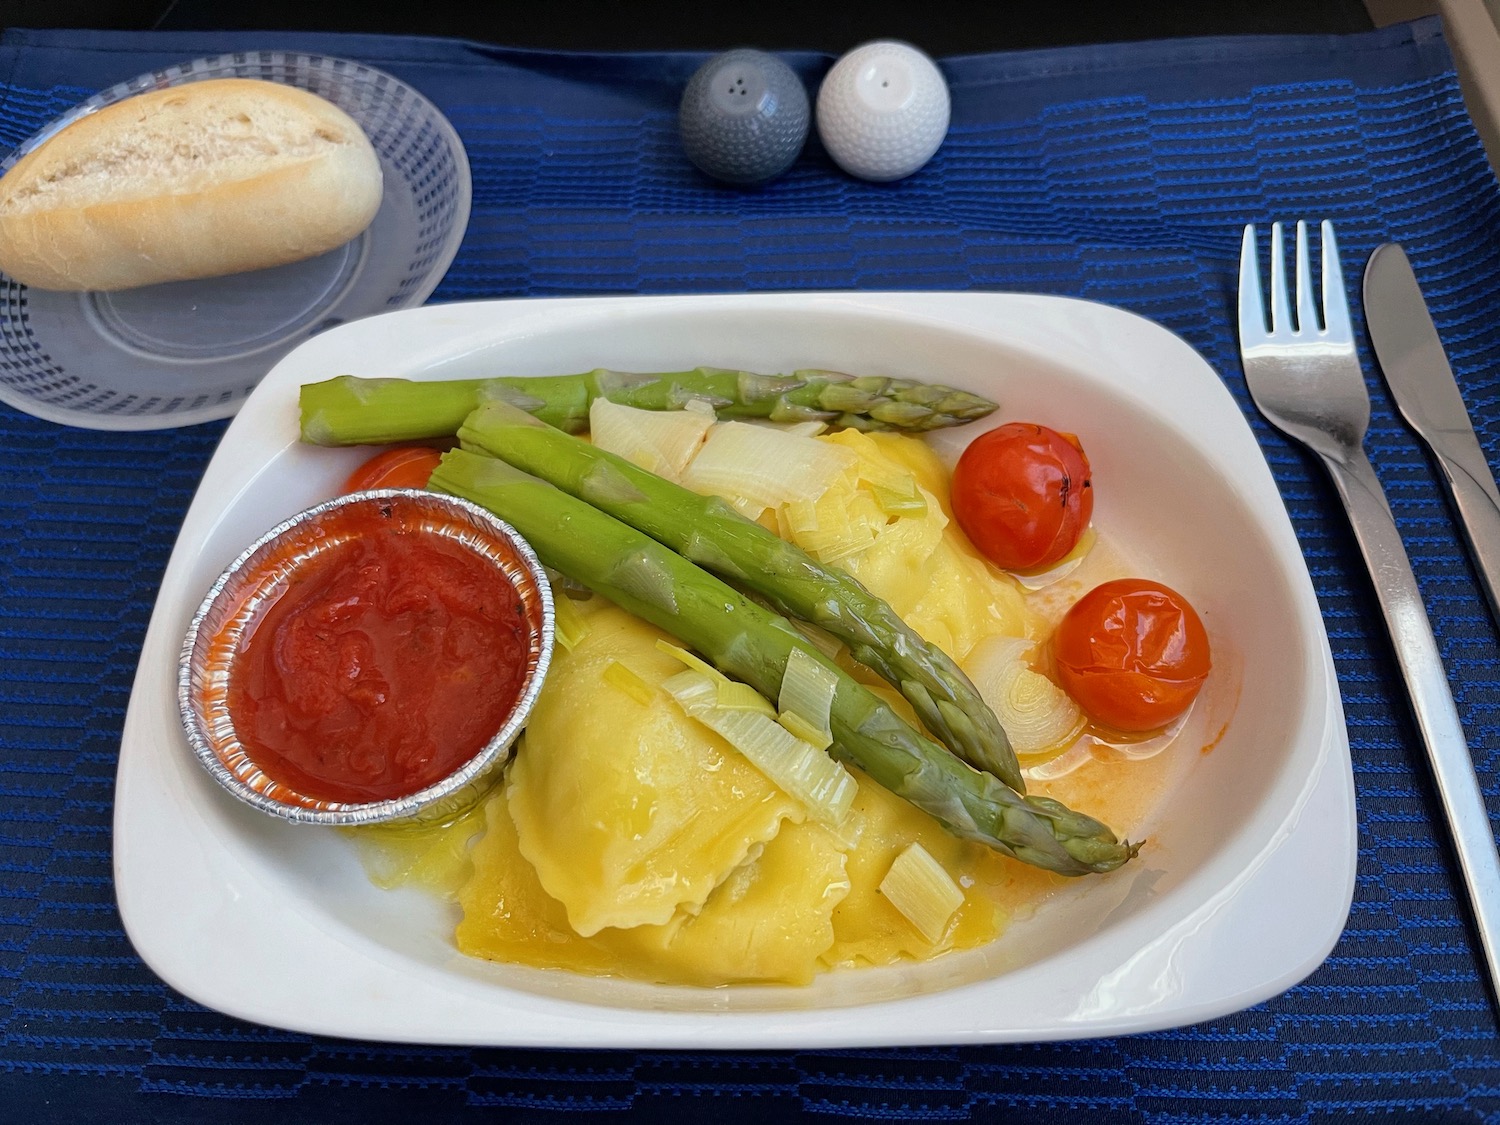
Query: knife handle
(1472,488)
(1431,698)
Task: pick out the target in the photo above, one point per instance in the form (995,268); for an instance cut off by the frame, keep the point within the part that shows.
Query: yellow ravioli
(868,930)
(628,810)
(507,916)
(922,565)
(769,921)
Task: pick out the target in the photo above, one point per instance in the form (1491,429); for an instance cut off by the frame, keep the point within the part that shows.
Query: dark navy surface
(1121,174)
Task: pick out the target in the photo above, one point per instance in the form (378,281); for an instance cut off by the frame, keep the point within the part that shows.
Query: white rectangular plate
(1248,872)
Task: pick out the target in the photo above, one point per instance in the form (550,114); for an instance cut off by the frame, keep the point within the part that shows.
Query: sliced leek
(799,727)
(735,696)
(659,441)
(798,768)
(836,526)
(920,888)
(629,681)
(569,625)
(806,698)
(764,468)
(690,660)
(907,500)
(1039,716)
(799,429)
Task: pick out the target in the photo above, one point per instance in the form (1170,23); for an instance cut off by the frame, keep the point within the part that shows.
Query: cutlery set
(1305,377)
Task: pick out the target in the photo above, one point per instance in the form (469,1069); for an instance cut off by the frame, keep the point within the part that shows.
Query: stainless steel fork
(1305,377)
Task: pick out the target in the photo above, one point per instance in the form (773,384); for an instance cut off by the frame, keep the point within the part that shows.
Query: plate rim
(1325,798)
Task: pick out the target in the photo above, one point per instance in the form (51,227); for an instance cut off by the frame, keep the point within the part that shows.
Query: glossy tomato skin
(1132,653)
(1023,494)
(402,466)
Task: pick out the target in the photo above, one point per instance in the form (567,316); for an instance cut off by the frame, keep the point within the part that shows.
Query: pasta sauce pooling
(387,663)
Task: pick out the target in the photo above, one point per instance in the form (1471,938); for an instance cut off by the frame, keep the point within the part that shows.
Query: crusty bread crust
(192,181)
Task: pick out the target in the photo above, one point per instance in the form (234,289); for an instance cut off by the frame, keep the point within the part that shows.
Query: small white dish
(1241,892)
(192,351)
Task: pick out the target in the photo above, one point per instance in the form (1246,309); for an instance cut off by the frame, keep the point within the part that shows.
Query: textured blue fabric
(1121,174)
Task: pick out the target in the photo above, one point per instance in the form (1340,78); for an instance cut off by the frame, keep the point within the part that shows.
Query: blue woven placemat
(1121,174)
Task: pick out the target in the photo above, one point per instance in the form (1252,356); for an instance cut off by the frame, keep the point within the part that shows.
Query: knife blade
(1417,371)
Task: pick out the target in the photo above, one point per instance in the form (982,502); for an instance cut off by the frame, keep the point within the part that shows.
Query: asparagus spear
(716,537)
(752,644)
(348,410)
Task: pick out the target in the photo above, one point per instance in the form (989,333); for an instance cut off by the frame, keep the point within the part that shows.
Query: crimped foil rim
(212,740)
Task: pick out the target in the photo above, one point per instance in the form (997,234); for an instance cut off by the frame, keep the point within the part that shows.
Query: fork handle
(1427,686)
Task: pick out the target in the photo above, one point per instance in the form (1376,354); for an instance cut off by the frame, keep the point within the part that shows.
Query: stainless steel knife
(1416,369)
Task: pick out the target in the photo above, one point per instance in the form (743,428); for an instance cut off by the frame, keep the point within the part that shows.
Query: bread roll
(192,181)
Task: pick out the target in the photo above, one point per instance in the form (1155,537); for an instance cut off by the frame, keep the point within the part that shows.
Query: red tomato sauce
(387,663)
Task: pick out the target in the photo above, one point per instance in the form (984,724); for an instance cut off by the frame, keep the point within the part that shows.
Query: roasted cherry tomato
(1023,495)
(405,466)
(1132,653)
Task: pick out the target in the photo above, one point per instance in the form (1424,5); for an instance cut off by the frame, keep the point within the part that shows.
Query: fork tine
(1281,309)
(1335,297)
(1252,304)
(1307,301)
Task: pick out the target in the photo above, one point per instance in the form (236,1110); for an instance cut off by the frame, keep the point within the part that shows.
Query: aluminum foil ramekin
(235,601)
